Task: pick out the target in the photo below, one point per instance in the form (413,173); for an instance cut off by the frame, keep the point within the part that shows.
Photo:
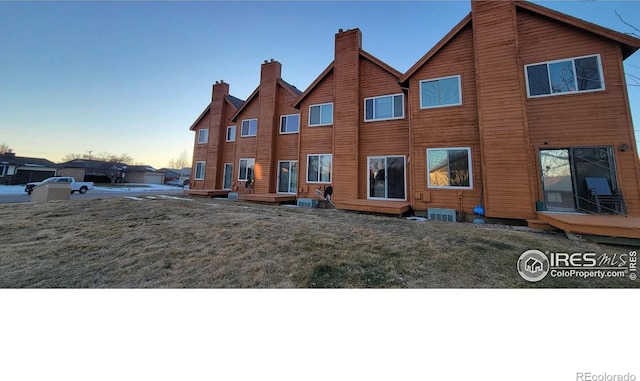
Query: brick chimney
(502,114)
(270,72)
(347,112)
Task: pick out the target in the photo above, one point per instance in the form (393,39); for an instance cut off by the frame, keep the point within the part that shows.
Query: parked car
(76,186)
(178,183)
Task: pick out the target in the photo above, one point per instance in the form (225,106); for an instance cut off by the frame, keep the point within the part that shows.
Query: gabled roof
(20,161)
(328,69)
(628,43)
(140,168)
(233,101)
(313,84)
(452,33)
(285,85)
(85,163)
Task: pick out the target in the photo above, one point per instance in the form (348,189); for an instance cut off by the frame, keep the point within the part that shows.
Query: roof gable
(629,44)
(202,115)
(313,85)
(444,41)
(246,103)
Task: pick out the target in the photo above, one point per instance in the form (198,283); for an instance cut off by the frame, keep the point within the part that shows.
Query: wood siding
(245,147)
(314,140)
(379,138)
(579,119)
(501,112)
(446,127)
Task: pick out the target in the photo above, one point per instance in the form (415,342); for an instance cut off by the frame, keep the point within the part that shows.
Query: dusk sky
(131,77)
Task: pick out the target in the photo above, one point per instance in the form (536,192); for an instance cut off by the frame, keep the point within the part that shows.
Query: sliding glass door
(387,177)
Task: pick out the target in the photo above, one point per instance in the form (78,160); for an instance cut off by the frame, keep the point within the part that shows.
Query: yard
(179,242)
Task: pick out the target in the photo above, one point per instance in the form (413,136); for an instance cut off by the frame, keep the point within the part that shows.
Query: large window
(203,136)
(319,168)
(231,133)
(449,168)
(384,107)
(440,92)
(227,177)
(245,171)
(249,127)
(570,75)
(321,115)
(199,174)
(289,124)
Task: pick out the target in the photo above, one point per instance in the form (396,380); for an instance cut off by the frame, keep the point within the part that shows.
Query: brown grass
(160,243)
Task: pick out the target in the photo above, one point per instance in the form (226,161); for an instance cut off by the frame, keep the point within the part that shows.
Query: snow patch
(134,198)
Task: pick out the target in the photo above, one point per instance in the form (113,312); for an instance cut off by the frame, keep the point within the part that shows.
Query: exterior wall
(506,152)
(561,121)
(380,138)
(267,128)
(245,147)
(286,146)
(347,115)
(227,152)
(314,140)
(216,120)
(446,127)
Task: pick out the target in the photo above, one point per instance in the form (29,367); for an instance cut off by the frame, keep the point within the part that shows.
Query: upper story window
(321,115)
(440,92)
(449,168)
(249,127)
(203,136)
(231,133)
(580,74)
(289,124)
(384,107)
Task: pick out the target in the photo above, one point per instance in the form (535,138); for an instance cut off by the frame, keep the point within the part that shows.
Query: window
(440,92)
(231,133)
(449,168)
(246,169)
(385,107)
(289,124)
(249,127)
(571,75)
(199,174)
(203,136)
(3,170)
(321,115)
(227,177)
(319,168)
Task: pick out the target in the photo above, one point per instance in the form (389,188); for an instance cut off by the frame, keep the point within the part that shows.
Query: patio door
(288,177)
(227,176)
(387,177)
(564,173)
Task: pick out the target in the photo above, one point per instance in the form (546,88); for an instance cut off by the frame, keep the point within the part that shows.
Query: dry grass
(159,243)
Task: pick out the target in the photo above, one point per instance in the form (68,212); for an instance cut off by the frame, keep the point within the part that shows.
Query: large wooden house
(518,110)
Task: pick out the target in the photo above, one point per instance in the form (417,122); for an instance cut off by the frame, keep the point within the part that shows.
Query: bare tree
(634,79)
(4,148)
(73,156)
(181,161)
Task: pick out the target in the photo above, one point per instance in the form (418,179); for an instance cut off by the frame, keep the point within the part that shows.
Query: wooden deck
(596,225)
(375,206)
(271,198)
(207,192)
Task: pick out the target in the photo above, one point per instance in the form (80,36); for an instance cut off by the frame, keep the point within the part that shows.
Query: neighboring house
(511,110)
(142,174)
(176,174)
(21,170)
(88,170)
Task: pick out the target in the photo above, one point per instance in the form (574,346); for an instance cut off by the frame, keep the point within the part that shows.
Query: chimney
(220,89)
(270,70)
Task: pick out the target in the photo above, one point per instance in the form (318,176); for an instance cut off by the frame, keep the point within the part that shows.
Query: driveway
(15,197)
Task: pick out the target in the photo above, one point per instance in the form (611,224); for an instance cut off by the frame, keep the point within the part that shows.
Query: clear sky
(131,77)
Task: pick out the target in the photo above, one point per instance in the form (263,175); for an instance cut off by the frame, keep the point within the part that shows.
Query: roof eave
(380,63)
(206,110)
(313,84)
(444,41)
(249,99)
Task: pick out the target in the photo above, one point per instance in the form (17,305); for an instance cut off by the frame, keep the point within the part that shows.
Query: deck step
(206,192)
(540,225)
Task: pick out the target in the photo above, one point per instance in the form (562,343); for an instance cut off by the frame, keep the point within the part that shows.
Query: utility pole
(89,152)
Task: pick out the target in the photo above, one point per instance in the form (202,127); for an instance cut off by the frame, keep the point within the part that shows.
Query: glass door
(387,178)
(287,177)
(557,181)
(228,173)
